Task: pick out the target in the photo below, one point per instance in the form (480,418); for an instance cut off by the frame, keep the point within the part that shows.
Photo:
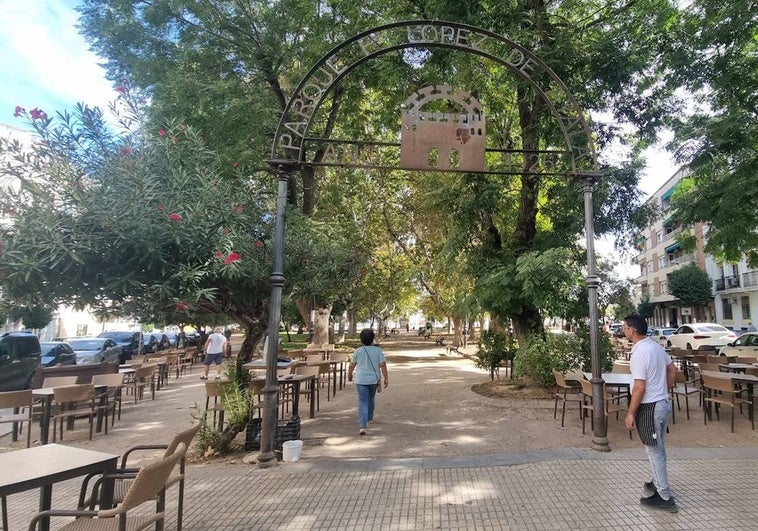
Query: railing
(719,284)
(730,282)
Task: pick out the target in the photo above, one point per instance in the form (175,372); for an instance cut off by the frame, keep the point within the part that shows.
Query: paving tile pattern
(567,489)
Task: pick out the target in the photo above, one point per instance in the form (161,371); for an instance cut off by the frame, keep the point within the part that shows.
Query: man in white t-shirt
(214,349)
(653,374)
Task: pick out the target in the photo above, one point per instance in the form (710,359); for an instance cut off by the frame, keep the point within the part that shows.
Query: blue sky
(45,63)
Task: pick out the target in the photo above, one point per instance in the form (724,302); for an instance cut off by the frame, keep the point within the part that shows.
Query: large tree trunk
(322,325)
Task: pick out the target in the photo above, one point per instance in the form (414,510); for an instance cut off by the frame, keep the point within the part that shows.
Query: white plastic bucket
(291,450)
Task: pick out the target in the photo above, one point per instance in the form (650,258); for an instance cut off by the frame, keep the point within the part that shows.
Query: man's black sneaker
(649,488)
(656,502)
(203,377)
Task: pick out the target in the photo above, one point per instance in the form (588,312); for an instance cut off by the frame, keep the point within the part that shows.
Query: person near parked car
(228,336)
(367,362)
(750,327)
(214,349)
(653,374)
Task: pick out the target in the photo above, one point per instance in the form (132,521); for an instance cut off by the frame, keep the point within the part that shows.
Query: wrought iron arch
(288,151)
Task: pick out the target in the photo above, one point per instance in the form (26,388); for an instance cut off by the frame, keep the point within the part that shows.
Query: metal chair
(565,393)
(723,392)
(115,383)
(21,404)
(75,401)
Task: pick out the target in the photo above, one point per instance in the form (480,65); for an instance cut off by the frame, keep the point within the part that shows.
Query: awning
(669,192)
(673,247)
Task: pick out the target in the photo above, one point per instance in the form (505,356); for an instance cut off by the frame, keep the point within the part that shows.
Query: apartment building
(735,286)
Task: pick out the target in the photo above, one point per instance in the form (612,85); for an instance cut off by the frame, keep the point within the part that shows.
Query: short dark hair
(637,322)
(367,336)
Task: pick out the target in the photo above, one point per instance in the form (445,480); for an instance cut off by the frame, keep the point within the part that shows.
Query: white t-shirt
(648,362)
(216,343)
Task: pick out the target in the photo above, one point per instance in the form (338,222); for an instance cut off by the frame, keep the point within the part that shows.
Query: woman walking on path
(368,360)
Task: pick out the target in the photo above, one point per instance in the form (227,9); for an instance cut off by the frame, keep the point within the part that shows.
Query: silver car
(95,350)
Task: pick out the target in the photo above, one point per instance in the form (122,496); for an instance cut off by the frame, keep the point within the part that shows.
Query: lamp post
(600,433)
(267,458)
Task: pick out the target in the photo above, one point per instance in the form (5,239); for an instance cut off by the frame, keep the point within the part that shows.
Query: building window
(661,262)
(726,304)
(650,267)
(664,288)
(81,330)
(745,302)
(659,235)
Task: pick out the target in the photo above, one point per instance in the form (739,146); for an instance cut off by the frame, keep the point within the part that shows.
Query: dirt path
(428,410)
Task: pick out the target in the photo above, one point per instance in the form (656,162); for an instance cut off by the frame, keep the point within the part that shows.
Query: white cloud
(45,61)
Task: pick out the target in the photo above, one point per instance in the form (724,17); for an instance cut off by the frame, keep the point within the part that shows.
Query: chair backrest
(752,371)
(747,359)
(716,359)
(284,372)
(144,372)
(149,482)
(57,381)
(700,358)
(185,437)
(621,368)
(215,388)
(709,367)
(256,386)
(314,357)
(586,387)
(728,359)
(11,399)
(560,380)
(717,384)
(304,370)
(707,348)
(111,380)
(74,393)
(138,359)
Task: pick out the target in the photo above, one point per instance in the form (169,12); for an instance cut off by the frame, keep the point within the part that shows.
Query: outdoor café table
(735,367)
(42,466)
(684,361)
(295,381)
(45,395)
(332,382)
(615,379)
(259,365)
(747,379)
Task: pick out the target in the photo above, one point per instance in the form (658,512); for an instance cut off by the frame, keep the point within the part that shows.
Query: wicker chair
(609,402)
(75,401)
(115,384)
(723,392)
(565,393)
(21,404)
(124,477)
(148,484)
(685,387)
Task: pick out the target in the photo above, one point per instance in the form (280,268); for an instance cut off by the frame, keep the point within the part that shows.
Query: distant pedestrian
(750,327)
(407,328)
(228,336)
(369,366)
(653,374)
(214,349)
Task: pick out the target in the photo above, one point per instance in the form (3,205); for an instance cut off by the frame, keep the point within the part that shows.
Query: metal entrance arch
(291,141)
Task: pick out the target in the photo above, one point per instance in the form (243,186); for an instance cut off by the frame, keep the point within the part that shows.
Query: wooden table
(42,466)
(259,365)
(736,367)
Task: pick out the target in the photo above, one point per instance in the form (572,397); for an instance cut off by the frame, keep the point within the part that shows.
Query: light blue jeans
(657,454)
(366,395)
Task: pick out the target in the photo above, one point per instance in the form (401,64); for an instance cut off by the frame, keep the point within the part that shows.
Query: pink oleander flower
(38,114)
(18,111)
(127,150)
(218,254)
(161,208)
(181,306)
(238,209)
(121,88)
(224,231)
(175,140)
(161,132)
(233,257)
(236,164)
(258,244)
(175,217)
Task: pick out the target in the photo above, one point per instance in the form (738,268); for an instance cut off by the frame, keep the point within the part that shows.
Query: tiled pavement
(552,489)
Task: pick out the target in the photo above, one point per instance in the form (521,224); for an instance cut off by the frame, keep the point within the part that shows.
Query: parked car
(745,345)
(19,358)
(173,338)
(695,335)
(57,353)
(615,329)
(661,335)
(91,350)
(128,340)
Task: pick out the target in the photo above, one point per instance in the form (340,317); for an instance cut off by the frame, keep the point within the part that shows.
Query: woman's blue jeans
(657,454)
(366,395)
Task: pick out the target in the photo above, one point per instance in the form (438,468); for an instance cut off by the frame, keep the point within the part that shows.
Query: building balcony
(725,283)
